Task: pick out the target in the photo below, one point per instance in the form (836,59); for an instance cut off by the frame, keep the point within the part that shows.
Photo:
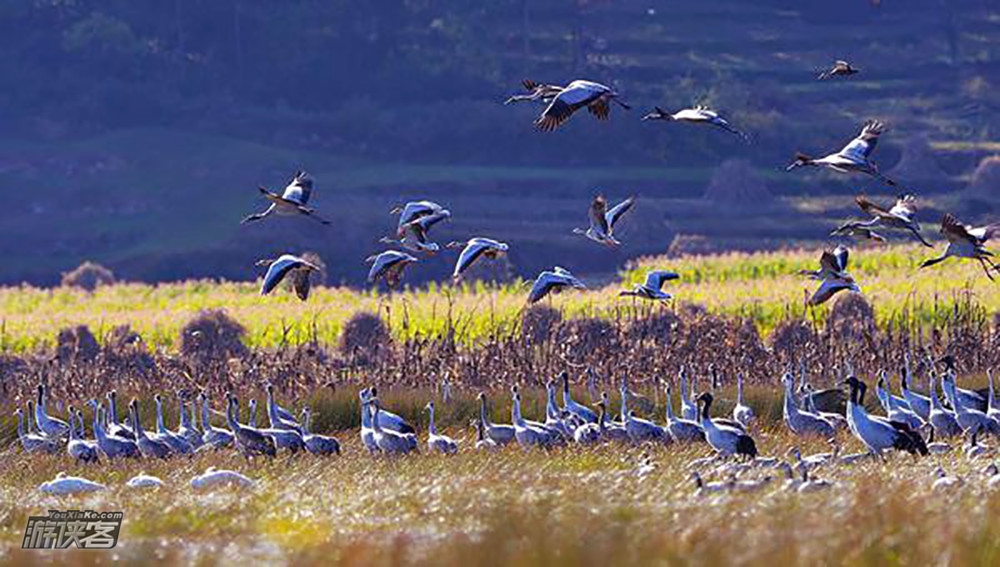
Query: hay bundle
(918,162)
(212,335)
(539,323)
(851,318)
(586,336)
(364,338)
(791,337)
(76,344)
(736,184)
(985,180)
(88,276)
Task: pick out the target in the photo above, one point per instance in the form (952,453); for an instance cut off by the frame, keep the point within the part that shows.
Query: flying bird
(414,237)
(854,157)
(899,216)
(578,94)
(832,275)
(536,91)
(389,265)
(965,241)
(603,221)
(474,249)
(697,115)
(412,211)
(292,201)
(553,281)
(840,68)
(291,266)
(652,288)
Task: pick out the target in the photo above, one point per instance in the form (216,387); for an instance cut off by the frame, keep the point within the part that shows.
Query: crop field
(761,287)
(573,505)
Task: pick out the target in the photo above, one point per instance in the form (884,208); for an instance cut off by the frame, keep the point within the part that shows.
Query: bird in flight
(697,115)
(854,157)
(832,275)
(291,201)
(474,249)
(578,94)
(603,221)
(652,288)
(840,68)
(287,265)
(553,281)
(536,91)
(899,216)
(965,241)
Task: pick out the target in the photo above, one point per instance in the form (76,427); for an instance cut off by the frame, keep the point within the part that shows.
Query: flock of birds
(916,423)
(417,218)
(907,417)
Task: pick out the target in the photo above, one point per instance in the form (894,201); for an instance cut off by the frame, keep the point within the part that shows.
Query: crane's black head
(706,398)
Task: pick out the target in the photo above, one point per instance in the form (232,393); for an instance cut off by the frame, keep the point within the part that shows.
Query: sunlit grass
(763,287)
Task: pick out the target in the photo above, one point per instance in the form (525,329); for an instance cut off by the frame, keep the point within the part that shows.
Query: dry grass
(572,506)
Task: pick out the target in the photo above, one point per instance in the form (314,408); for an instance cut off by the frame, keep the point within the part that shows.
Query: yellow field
(763,287)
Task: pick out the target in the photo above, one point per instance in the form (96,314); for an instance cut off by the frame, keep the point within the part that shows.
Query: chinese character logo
(85,529)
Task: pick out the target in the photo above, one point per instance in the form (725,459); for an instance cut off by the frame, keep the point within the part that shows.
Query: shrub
(213,335)
(88,276)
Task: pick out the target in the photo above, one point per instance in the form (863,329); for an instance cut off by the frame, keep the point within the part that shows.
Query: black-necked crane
(388,420)
(474,249)
(832,275)
(115,427)
(742,413)
(388,265)
(603,220)
(288,265)
(278,417)
(918,403)
(413,234)
(177,443)
(414,210)
(852,230)
(879,434)
(292,201)
(724,439)
(315,443)
(50,426)
(975,399)
(436,441)
(32,442)
(576,95)
(943,422)
(387,440)
(148,446)
(840,68)
(536,91)
(854,157)
(609,430)
(699,114)
(248,440)
(582,412)
(79,448)
(652,288)
(500,434)
(965,241)
(215,437)
(899,216)
(111,445)
(801,422)
(553,281)
(681,430)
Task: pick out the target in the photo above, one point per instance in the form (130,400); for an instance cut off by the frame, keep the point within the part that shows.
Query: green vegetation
(764,288)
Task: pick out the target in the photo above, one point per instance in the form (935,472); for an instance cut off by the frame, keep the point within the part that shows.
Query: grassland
(763,287)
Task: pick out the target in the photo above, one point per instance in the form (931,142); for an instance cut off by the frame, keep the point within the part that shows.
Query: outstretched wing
(301,283)
(598,214)
(829,263)
(656,279)
(905,207)
(618,210)
(544,283)
(955,231)
(600,109)
(575,96)
(870,207)
(861,147)
(299,189)
(841,255)
(278,270)
(472,251)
